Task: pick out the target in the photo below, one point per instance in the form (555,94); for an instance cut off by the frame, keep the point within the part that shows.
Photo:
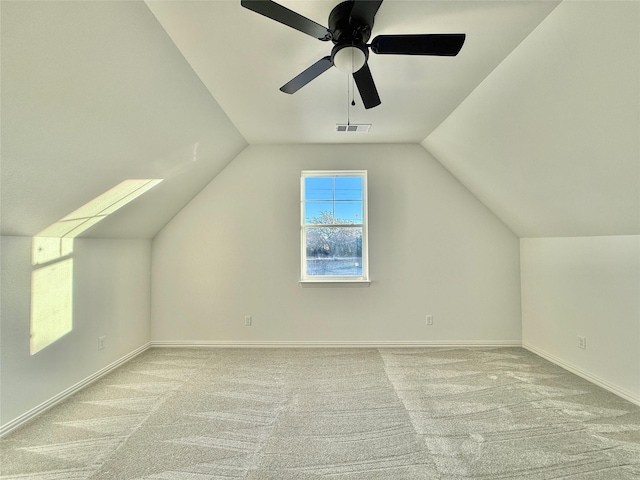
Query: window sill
(335,283)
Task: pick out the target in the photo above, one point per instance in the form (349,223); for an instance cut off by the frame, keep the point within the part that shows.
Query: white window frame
(334,279)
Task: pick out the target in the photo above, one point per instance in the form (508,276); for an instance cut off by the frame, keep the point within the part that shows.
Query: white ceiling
(539,115)
(244,58)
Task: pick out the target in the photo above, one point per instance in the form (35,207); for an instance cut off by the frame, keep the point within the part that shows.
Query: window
(334,226)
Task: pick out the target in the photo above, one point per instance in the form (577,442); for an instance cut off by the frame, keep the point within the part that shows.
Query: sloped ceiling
(538,116)
(244,58)
(94,93)
(550,141)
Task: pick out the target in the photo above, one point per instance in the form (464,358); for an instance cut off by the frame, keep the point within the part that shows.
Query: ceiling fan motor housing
(350,37)
(345,29)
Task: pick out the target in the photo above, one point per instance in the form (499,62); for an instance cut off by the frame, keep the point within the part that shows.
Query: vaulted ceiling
(550,140)
(244,58)
(539,114)
(94,93)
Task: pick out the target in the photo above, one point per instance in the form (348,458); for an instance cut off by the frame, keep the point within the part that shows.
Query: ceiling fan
(350,25)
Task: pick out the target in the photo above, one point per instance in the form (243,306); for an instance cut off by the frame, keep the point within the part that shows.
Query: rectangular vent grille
(356,128)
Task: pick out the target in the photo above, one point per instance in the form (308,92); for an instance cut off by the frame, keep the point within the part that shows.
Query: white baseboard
(333,344)
(621,392)
(34,412)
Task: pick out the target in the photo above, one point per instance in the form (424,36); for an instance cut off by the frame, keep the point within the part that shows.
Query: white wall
(111,290)
(587,286)
(434,249)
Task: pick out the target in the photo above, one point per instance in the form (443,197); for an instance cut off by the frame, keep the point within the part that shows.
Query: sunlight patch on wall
(97,209)
(52,259)
(52,303)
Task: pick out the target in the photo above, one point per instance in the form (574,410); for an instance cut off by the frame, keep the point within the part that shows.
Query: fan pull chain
(348,97)
(353,87)
(350,94)
(353,92)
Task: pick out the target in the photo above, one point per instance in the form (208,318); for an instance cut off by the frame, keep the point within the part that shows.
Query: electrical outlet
(248,320)
(582,342)
(429,319)
(101,342)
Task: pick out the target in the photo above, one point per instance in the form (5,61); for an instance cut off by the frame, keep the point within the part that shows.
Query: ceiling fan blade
(364,11)
(287,17)
(309,74)
(366,87)
(430,44)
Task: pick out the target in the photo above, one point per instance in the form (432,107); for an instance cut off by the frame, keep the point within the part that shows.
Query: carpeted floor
(310,414)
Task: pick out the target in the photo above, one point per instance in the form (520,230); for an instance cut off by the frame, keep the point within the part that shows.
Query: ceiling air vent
(356,128)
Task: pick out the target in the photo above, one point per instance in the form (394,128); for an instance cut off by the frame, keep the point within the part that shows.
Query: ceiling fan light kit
(348,59)
(350,26)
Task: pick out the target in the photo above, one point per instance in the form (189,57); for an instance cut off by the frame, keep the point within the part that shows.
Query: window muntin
(334,226)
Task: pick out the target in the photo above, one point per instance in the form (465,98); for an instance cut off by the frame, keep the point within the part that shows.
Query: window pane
(348,188)
(334,251)
(318,188)
(349,212)
(318,212)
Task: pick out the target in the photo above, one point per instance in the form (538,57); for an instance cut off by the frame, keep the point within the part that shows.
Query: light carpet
(311,414)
